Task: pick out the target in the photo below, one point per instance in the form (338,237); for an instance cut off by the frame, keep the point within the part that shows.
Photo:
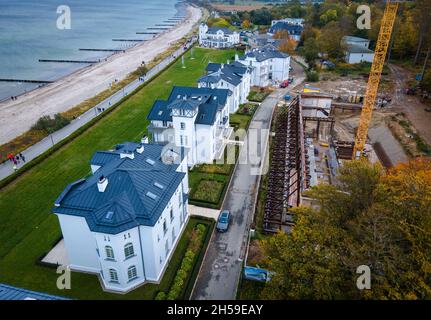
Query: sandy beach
(17,117)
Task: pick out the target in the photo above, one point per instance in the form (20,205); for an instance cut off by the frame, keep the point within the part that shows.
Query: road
(37,149)
(222,265)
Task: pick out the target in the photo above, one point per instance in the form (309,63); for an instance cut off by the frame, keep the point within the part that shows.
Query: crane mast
(382,46)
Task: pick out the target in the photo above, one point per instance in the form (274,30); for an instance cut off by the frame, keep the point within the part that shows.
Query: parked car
(291,79)
(290,69)
(287,97)
(223,221)
(284,84)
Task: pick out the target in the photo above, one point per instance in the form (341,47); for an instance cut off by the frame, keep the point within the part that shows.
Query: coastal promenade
(37,149)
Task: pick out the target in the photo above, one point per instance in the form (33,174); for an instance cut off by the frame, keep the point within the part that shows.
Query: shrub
(161,296)
(50,125)
(312,76)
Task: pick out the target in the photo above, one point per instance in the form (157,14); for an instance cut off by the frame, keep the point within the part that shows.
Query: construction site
(341,118)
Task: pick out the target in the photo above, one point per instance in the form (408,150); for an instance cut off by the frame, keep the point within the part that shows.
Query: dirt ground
(403,116)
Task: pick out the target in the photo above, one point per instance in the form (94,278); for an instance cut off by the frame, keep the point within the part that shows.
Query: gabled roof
(357,49)
(207,100)
(264,53)
(13,293)
(137,192)
(291,28)
(160,112)
(354,39)
(214,30)
(231,73)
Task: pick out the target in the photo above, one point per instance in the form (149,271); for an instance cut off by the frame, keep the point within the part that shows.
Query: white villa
(270,66)
(194,118)
(217,37)
(124,221)
(232,76)
(357,50)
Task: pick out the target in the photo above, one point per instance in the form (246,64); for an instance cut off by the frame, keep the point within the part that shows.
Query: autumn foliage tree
(370,217)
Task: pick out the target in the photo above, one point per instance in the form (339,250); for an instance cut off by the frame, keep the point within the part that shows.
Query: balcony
(159,128)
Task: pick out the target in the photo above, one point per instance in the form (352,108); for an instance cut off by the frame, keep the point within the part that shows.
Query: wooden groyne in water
(68,61)
(26,81)
(102,50)
(158,28)
(152,33)
(129,40)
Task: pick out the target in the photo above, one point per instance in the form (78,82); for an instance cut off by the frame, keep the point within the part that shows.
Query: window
(183,126)
(173,236)
(128,250)
(181,140)
(166,248)
(186,140)
(172,214)
(109,252)
(131,273)
(165,227)
(113,275)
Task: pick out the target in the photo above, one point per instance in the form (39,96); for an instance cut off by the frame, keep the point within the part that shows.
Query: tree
(330,40)
(371,217)
(424,17)
(287,45)
(246,24)
(310,51)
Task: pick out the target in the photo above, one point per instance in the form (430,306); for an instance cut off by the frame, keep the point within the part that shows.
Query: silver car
(223,221)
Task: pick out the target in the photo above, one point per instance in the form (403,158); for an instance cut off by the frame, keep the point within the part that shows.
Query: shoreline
(17,117)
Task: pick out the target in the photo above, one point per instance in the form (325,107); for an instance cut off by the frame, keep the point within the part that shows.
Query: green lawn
(28,230)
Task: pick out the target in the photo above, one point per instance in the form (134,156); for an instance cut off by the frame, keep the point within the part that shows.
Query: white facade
(357,50)
(239,86)
(316,104)
(269,66)
(132,257)
(293,21)
(205,141)
(217,37)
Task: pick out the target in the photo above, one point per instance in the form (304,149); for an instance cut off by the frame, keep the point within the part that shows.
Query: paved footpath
(37,149)
(222,265)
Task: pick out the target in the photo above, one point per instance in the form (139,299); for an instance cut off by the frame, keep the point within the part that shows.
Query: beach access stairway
(6,168)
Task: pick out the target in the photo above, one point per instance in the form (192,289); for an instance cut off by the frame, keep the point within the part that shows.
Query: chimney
(145,140)
(141,149)
(102,184)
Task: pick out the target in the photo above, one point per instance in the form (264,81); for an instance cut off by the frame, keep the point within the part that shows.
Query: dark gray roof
(264,53)
(214,30)
(358,49)
(132,196)
(290,28)
(207,100)
(13,293)
(231,73)
(354,39)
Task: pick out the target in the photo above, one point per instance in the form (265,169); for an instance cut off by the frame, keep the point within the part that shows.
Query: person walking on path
(22,157)
(15,168)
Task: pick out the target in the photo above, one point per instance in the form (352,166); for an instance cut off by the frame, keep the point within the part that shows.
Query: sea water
(29,32)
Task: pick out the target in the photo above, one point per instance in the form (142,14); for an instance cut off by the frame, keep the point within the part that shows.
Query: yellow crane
(382,46)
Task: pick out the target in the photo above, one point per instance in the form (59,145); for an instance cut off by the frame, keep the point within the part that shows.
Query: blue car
(287,97)
(223,221)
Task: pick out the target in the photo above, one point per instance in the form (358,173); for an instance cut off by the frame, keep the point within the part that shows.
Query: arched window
(132,273)
(109,252)
(128,250)
(113,275)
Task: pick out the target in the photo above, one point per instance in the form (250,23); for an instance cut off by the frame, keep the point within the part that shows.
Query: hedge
(186,274)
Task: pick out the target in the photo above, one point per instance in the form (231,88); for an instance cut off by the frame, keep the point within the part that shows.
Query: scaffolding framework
(288,167)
